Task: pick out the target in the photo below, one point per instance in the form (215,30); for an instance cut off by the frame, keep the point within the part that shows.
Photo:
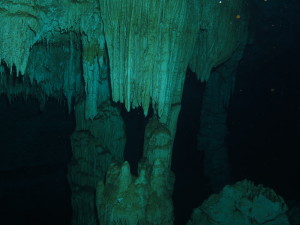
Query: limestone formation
(95,144)
(25,23)
(57,75)
(145,199)
(242,203)
(149,45)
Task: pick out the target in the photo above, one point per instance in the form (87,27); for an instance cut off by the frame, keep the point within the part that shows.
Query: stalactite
(59,73)
(93,69)
(149,44)
(93,62)
(222,26)
(24,23)
(18,30)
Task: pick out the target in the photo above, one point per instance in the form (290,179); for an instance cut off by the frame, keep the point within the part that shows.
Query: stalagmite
(147,198)
(126,199)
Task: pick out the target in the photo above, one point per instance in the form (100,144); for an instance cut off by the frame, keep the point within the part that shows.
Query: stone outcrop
(242,203)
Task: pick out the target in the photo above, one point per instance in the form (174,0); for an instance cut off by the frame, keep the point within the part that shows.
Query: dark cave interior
(263,140)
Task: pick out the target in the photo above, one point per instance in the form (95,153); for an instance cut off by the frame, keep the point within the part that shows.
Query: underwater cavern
(153,112)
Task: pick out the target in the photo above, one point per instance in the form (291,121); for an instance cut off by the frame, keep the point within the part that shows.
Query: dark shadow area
(190,187)
(135,123)
(264,124)
(35,150)
(264,114)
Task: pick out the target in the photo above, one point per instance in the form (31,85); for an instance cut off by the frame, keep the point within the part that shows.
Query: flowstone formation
(149,45)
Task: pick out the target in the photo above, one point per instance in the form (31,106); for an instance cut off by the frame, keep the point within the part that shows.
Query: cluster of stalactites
(223,26)
(149,46)
(59,72)
(18,28)
(20,87)
(23,24)
(57,75)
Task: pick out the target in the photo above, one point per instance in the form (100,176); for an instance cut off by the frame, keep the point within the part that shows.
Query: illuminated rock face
(133,52)
(149,45)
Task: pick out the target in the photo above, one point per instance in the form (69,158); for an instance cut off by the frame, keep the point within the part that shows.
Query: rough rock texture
(242,203)
(95,144)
